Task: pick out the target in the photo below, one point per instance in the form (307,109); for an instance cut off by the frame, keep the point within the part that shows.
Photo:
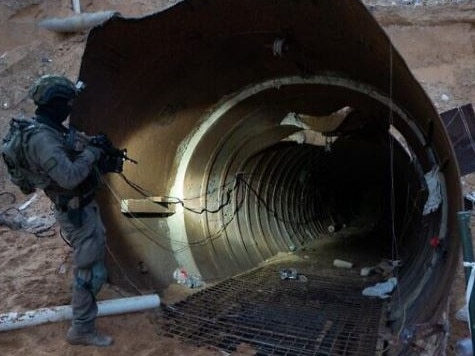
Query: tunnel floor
(320,312)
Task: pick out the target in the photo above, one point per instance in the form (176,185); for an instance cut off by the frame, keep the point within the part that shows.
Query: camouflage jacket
(59,169)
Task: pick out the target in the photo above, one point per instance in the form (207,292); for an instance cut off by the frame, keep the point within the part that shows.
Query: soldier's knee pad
(92,278)
(99,277)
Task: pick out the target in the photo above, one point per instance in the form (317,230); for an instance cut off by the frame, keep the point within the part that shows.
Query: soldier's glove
(110,164)
(112,159)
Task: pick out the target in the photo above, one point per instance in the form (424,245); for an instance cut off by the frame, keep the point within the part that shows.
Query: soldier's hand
(110,164)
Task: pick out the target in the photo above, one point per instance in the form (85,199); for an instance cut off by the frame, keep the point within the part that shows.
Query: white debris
(342,264)
(381,290)
(189,280)
(433,184)
(28,202)
(365,271)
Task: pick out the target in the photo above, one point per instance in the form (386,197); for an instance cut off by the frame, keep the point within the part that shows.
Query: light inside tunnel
(304,189)
(363,190)
(262,150)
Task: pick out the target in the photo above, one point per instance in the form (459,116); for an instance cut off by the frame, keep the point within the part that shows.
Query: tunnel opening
(268,137)
(270,183)
(288,190)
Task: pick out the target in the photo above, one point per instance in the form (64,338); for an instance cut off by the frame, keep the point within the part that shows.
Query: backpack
(13,154)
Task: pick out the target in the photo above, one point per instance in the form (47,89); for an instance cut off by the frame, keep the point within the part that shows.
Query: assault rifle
(113,158)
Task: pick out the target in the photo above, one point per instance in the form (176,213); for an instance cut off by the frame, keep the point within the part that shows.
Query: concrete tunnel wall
(223,103)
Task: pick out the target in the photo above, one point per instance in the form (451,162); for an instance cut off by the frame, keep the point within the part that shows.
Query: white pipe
(77,23)
(77,6)
(13,320)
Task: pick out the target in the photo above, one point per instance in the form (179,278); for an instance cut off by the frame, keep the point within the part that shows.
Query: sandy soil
(35,264)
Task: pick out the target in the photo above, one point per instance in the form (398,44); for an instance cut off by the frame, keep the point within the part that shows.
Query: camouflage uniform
(69,179)
(72,179)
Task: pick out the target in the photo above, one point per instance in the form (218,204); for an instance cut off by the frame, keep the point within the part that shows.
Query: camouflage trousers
(88,243)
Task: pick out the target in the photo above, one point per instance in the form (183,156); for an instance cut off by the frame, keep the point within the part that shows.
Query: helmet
(52,86)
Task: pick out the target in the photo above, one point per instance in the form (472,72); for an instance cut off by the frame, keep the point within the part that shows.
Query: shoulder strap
(26,132)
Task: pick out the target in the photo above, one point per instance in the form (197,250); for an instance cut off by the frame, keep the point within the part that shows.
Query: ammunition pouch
(73,205)
(73,201)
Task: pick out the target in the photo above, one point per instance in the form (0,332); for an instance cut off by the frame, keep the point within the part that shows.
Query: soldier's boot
(92,338)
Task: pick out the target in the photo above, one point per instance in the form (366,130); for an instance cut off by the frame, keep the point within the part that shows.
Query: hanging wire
(226,198)
(394,247)
(202,210)
(152,235)
(272,212)
(147,194)
(394,244)
(465,126)
(147,232)
(121,270)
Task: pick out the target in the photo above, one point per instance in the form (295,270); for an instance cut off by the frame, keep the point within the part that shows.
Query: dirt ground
(437,41)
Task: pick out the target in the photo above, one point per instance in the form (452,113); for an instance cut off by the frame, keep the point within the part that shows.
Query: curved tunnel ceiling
(268,125)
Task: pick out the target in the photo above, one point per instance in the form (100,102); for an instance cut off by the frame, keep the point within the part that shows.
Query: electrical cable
(152,235)
(224,202)
(237,180)
(137,289)
(147,232)
(203,210)
(146,193)
(273,212)
(394,244)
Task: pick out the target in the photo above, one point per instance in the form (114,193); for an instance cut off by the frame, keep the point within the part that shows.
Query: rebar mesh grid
(322,313)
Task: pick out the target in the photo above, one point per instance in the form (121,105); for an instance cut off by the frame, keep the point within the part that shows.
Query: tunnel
(270,127)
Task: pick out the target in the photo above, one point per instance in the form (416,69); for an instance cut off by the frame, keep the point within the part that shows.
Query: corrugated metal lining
(198,94)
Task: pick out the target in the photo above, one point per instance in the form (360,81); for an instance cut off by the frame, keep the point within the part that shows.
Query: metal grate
(326,315)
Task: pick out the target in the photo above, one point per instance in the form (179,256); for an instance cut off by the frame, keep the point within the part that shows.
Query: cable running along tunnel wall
(270,126)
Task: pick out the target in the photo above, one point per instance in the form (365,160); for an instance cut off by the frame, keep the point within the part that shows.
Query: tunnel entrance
(273,179)
(267,176)
(273,127)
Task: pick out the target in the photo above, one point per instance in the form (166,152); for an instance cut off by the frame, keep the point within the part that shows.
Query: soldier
(69,179)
